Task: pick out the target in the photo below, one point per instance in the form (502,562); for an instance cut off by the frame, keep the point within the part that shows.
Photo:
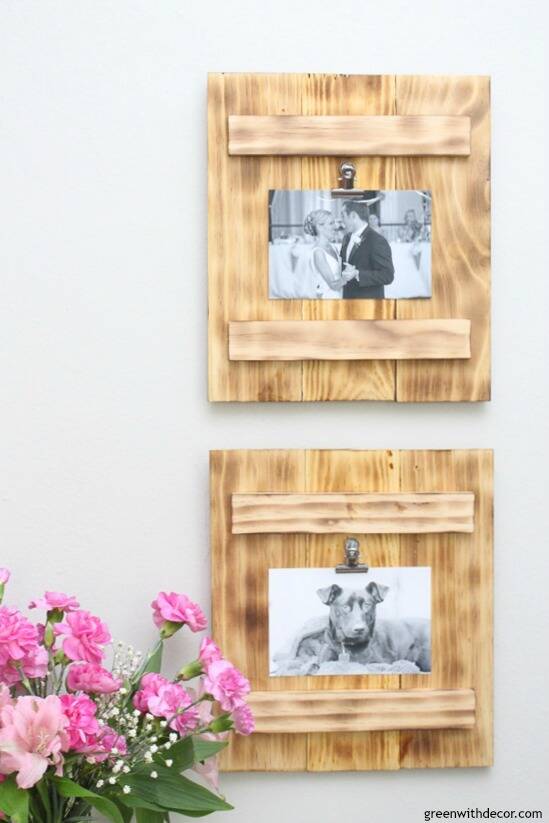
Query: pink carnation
(19,648)
(243,720)
(209,651)
(4,575)
(178,608)
(90,677)
(227,684)
(32,737)
(111,743)
(106,743)
(83,725)
(36,663)
(85,636)
(162,698)
(55,600)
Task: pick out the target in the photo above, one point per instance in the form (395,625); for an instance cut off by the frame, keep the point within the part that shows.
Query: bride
(327,279)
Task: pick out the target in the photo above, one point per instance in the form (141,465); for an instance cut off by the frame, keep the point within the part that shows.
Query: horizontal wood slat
(395,513)
(349,339)
(382,135)
(361,711)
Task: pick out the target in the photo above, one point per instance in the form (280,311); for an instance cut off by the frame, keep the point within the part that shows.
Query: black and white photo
(331,248)
(325,623)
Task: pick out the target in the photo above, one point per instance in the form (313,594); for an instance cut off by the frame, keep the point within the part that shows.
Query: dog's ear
(377,591)
(329,594)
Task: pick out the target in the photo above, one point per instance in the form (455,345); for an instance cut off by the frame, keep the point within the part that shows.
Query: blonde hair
(315,219)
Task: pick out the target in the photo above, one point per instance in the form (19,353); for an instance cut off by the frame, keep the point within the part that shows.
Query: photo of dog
(373,623)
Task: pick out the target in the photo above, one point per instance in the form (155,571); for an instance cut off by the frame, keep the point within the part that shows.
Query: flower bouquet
(78,738)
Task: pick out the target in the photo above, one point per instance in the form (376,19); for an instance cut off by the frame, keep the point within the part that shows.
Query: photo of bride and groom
(324,248)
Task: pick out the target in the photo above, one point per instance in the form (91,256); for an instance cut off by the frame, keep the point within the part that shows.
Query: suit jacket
(374,261)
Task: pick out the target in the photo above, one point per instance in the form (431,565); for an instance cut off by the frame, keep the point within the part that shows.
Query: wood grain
(356,471)
(238,233)
(352,94)
(362,711)
(349,340)
(342,513)
(462,570)
(462,581)
(331,135)
(461,237)
(240,592)
(238,226)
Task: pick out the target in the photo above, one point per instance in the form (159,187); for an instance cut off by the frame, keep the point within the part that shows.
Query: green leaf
(42,789)
(152,663)
(207,748)
(68,788)
(182,754)
(127,813)
(133,802)
(14,802)
(172,791)
(145,816)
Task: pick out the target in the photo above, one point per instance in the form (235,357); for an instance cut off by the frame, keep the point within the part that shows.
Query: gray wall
(105,427)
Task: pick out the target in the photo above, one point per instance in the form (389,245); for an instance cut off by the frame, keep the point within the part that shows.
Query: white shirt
(354,241)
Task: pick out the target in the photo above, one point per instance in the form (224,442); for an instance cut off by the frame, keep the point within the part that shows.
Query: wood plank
(240,592)
(238,259)
(462,571)
(237,235)
(395,513)
(461,582)
(265,340)
(348,94)
(365,471)
(461,237)
(362,711)
(391,135)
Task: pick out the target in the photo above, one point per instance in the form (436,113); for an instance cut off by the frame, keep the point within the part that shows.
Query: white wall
(105,427)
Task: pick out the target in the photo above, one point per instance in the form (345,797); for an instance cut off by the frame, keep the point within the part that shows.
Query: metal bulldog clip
(347,172)
(352,563)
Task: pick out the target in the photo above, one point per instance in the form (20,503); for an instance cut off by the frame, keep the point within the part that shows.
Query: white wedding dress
(320,288)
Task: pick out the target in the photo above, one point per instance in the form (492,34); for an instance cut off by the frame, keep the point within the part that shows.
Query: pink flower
(83,725)
(89,677)
(5,696)
(243,720)
(55,600)
(179,610)
(32,737)
(208,652)
(19,648)
(4,576)
(107,743)
(84,636)
(162,698)
(227,685)
(204,707)
(149,687)
(111,743)
(36,663)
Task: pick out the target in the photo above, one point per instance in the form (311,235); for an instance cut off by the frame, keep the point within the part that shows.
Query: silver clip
(347,172)
(352,563)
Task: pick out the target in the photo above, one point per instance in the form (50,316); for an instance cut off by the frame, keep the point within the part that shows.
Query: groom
(365,254)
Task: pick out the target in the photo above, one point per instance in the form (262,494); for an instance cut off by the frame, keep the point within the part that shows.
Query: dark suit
(374,261)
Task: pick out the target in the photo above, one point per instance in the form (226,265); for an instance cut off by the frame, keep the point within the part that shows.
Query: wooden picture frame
(291,131)
(281,509)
